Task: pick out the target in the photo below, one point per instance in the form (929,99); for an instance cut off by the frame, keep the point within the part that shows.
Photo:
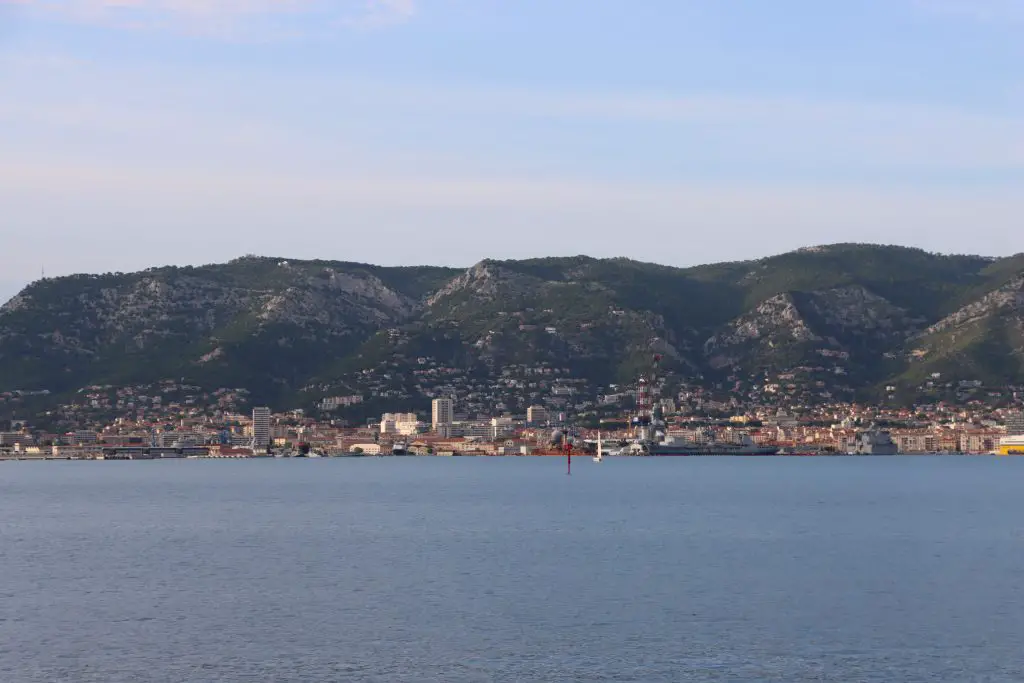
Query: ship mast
(644,418)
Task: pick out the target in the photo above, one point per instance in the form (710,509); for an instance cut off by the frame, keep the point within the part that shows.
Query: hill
(260,323)
(845,319)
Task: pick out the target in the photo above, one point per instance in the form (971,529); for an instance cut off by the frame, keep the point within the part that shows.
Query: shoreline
(9,458)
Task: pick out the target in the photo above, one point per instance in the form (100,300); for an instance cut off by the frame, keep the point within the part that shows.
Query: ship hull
(1011,445)
(694,452)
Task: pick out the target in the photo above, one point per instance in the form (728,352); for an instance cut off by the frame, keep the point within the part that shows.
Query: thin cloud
(989,11)
(377,12)
(95,102)
(223,18)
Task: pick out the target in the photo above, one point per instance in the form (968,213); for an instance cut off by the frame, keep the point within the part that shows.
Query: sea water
(506,569)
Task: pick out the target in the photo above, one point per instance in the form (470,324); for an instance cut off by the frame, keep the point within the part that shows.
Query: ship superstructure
(1011,445)
(874,441)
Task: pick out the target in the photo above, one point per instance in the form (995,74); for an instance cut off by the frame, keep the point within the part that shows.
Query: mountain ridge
(856,317)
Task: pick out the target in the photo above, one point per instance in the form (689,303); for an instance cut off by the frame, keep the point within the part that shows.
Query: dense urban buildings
(182,426)
(517,410)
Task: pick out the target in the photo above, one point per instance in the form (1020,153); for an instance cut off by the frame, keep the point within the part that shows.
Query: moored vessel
(671,446)
(1011,445)
(874,441)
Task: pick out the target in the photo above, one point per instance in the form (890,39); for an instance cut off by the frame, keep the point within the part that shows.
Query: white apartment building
(442,414)
(410,428)
(405,424)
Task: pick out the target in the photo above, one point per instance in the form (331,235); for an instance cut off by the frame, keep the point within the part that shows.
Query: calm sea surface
(471,569)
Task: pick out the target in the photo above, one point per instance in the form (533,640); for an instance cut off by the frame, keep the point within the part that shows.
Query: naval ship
(672,446)
(650,438)
(874,442)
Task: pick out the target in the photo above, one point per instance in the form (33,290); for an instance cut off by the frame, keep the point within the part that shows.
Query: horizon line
(285,259)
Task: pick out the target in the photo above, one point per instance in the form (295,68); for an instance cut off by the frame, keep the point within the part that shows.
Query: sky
(136,133)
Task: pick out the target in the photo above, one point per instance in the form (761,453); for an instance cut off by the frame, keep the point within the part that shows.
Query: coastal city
(178,421)
(438,341)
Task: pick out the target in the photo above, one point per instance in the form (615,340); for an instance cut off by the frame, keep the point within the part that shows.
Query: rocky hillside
(263,324)
(983,339)
(861,316)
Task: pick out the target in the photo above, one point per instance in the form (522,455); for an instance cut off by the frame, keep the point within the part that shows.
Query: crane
(644,418)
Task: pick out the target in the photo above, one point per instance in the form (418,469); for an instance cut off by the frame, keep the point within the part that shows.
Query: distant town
(173,420)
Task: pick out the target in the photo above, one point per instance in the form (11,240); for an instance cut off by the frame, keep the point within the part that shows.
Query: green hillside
(856,317)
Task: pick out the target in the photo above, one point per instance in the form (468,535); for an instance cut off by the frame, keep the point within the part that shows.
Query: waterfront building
(177,439)
(502,427)
(537,415)
(399,423)
(979,441)
(442,414)
(409,427)
(261,427)
(85,437)
(12,438)
(914,442)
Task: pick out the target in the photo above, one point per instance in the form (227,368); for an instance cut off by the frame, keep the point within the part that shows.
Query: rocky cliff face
(859,311)
(187,306)
(486,282)
(172,318)
(1007,299)
(844,322)
(983,339)
(772,327)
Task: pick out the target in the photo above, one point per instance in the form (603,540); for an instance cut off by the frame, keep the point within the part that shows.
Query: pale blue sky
(143,132)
